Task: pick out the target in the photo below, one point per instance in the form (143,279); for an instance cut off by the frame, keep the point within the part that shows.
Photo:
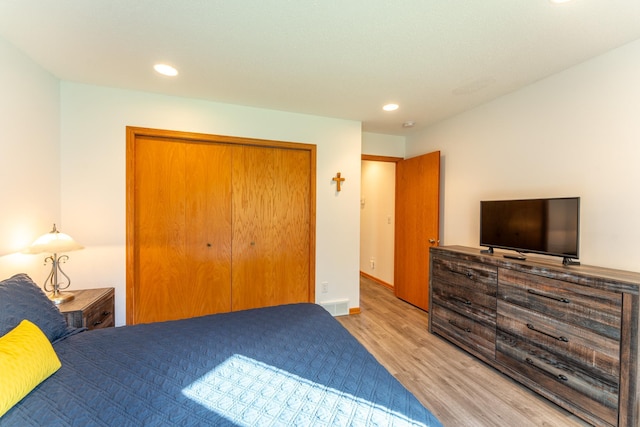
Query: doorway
(416,223)
(377,220)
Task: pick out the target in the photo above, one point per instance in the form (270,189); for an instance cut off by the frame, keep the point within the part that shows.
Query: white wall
(93,177)
(383,145)
(377,219)
(29,160)
(576,133)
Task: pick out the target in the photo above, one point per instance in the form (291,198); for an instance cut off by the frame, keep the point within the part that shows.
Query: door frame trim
(373,158)
(135,132)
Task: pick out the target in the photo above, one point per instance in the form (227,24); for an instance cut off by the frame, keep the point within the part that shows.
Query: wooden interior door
(183,229)
(271,220)
(417,226)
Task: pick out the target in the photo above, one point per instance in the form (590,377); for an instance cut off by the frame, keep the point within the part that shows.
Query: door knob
(432,241)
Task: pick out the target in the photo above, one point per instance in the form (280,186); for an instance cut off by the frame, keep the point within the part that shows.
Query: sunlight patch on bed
(249,393)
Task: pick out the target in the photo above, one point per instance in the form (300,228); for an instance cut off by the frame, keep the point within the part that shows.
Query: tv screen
(543,226)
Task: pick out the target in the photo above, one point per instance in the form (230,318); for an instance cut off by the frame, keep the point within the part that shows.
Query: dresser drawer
(101,315)
(477,338)
(558,378)
(91,309)
(578,347)
(465,287)
(589,308)
(567,360)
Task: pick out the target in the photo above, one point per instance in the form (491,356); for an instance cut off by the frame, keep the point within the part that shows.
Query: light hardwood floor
(460,390)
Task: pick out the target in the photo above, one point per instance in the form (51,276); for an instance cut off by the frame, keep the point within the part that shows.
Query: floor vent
(337,308)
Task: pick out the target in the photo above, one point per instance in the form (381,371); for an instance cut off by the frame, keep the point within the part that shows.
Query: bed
(284,365)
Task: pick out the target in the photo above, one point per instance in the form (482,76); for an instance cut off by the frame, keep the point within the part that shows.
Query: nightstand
(91,309)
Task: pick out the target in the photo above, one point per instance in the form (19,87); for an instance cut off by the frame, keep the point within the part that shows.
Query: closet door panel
(183,229)
(160,209)
(271,220)
(208,229)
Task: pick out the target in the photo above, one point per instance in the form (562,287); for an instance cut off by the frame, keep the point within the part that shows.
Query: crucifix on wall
(338,179)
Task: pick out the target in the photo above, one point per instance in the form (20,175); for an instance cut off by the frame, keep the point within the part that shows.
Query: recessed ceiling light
(559,1)
(390,107)
(165,70)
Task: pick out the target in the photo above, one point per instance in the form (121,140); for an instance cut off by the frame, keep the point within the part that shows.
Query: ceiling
(334,58)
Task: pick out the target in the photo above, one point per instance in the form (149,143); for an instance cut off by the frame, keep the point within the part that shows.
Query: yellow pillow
(26,359)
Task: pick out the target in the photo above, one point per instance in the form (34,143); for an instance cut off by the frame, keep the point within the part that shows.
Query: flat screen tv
(542,226)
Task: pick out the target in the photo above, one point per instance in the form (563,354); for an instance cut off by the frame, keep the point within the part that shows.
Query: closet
(217,224)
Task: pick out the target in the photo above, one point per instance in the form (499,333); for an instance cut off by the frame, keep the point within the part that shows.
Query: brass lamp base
(60,297)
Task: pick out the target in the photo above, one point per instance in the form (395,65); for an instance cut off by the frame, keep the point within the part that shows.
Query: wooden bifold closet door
(271,218)
(216,224)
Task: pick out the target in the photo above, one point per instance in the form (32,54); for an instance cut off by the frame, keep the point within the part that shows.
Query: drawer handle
(559,376)
(555,298)
(454,324)
(461,300)
(104,314)
(560,338)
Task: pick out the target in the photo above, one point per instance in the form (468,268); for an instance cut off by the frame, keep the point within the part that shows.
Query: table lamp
(55,242)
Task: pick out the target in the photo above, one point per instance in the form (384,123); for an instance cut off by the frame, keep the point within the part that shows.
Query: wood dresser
(91,309)
(569,333)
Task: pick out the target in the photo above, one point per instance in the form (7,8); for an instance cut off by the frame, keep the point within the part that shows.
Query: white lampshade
(54,242)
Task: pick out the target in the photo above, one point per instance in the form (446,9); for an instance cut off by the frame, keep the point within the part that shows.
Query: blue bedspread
(285,365)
